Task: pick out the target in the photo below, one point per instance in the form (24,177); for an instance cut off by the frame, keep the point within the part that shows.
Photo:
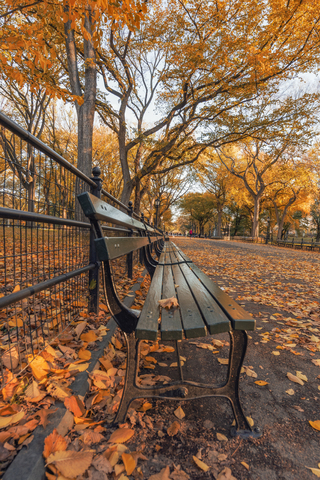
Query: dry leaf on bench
(70,463)
(173,429)
(179,413)
(294,379)
(168,303)
(121,435)
(201,464)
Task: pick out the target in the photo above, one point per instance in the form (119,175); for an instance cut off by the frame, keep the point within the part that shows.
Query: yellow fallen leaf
(290,391)
(129,463)
(275,353)
(300,375)
(250,421)
(168,303)
(315,471)
(261,382)
(221,437)
(146,406)
(173,429)
(16,322)
(294,379)
(315,425)
(316,362)
(39,367)
(88,337)
(71,463)
(201,464)
(161,364)
(121,435)
(5,421)
(223,361)
(179,413)
(245,465)
(81,367)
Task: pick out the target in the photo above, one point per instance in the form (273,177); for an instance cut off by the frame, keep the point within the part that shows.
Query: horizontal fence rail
(47,262)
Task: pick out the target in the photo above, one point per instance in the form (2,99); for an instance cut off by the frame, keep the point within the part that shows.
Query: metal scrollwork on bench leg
(238,346)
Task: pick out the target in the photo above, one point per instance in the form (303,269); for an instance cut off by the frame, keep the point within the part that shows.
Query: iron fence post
(130,255)
(94,274)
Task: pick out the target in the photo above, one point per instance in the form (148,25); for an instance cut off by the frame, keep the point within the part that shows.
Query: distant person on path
(191,233)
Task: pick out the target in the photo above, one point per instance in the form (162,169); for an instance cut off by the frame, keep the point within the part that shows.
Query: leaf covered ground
(280,385)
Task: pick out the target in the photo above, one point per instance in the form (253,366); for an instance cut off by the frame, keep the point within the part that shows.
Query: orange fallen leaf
(70,463)
(75,405)
(315,424)
(88,337)
(121,435)
(173,429)
(90,437)
(261,382)
(54,443)
(179,413)
(129,463)
(84,354)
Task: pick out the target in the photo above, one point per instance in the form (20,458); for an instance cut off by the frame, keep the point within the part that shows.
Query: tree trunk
(318,232)
(255,219)
(219,221)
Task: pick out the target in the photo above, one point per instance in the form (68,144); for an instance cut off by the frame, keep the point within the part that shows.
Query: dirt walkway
(280,287)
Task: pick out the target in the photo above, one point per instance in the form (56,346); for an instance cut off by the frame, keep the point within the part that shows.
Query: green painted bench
(204,309)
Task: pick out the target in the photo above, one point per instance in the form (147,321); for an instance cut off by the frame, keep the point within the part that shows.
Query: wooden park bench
(204,309)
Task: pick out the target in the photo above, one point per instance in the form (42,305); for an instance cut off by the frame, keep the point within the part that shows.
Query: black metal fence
(45,254)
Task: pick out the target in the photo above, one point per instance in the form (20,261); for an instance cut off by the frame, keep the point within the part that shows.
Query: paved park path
(281,289)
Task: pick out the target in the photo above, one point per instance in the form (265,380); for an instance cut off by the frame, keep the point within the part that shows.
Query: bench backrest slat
(96,208)
(115,247)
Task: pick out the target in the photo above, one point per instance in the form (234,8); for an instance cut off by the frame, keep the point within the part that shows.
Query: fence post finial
(94,275)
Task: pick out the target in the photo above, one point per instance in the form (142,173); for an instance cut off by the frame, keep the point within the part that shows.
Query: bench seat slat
(240,319)
(114,247)
(171,326)
(193,323)
(148,325)
(215,318)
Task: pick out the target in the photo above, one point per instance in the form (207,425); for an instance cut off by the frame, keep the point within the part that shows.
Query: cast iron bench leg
(129,389)
(238,347)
